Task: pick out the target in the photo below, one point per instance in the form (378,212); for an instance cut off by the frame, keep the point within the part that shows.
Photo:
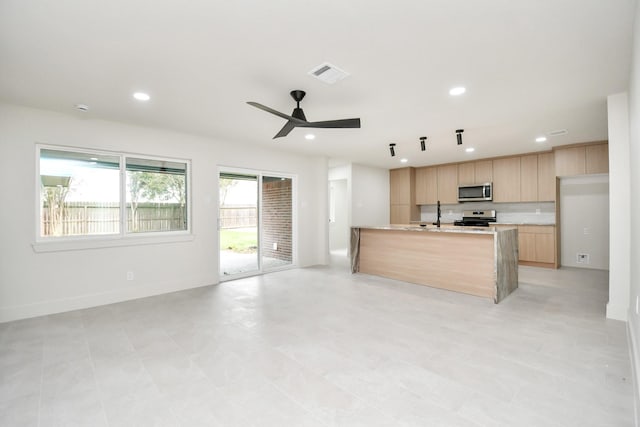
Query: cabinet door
(426,186)
(400,214)
(526,246)
(529,178)
(597,158)
(506,180)
(546,178)
(401,183)
(467,173)
(448,184)
(484,171)
(545,248)
(570,161)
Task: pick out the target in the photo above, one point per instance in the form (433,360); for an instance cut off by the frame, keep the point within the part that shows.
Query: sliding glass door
(255,223)
(238,224)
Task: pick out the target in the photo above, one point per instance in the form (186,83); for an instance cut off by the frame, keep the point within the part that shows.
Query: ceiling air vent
(558,132)
(328,73)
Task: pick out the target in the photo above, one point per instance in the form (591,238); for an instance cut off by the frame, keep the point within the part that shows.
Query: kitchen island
(480,261)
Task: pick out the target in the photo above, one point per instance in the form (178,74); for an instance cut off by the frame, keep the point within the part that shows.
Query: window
(82,194)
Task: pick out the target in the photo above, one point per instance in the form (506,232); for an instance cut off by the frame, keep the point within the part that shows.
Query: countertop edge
(433,229)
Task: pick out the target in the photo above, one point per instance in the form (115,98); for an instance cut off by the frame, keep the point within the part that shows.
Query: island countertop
(444,228)
(481,261)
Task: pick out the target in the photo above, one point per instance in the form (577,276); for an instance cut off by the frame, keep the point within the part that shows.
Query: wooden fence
(80,218)
(238,216)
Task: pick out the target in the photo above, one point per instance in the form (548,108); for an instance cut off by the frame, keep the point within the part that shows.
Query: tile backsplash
(514,213)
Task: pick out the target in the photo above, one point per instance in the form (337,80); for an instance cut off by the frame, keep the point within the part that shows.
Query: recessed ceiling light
(404,160)
(457,91)
(470,150)
(541,139)
(141,96)
(94,159)
(310,136)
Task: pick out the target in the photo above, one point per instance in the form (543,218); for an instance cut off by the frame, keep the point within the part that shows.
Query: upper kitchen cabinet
(570,161)
(479,172)
(537,178)
(529,178)
(403,207)
(483,171)
(597,158)
(426,186)
(467,173)
(546,178)
(580,160)
(506,180)
(448,184)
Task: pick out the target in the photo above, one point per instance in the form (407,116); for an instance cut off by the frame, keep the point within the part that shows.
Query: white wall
(369,195)
(339,228)
(634,190)
(584,215)
(33,283)
(619,206)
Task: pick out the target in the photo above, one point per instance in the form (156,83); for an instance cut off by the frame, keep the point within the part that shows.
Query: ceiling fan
(298,119)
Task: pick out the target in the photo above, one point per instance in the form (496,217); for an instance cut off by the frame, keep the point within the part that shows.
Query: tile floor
(322,347)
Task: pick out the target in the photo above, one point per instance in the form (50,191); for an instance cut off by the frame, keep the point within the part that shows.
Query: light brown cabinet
(570,161)
(479,172)
(467,173)
(506,180)
(536,244)
(448,184)
(529,178)
(483,171)
(426,185)
(585,159)
(546,178)
(597,158)
(403,208)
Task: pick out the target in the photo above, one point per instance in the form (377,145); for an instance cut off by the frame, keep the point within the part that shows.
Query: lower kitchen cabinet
(537,245)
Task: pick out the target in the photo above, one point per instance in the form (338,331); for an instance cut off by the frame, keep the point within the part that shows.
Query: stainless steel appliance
(476,218)
(475,193)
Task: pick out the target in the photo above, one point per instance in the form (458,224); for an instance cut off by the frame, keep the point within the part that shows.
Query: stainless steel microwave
(475,193)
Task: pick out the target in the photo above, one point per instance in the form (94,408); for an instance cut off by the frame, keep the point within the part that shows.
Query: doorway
(584,220)
(255,223)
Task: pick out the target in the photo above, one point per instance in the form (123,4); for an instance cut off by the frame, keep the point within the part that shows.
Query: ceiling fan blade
(343,123)
(288,127)
(277,113)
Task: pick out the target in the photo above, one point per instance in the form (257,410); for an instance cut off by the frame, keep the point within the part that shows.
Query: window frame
(123,237)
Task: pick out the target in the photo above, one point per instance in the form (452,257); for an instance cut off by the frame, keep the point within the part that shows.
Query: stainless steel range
(476,218)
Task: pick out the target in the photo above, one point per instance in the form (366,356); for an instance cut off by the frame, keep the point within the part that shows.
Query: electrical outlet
(129,275)
(275,246)
(582,258)
(586,231)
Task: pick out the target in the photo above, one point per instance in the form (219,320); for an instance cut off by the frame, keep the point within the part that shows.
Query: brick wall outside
(276,219)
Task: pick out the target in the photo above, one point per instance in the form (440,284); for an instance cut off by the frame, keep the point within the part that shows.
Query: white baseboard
(43,308)
(634,357)
(617,311)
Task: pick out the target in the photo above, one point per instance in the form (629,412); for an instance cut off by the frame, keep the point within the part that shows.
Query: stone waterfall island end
(479,261)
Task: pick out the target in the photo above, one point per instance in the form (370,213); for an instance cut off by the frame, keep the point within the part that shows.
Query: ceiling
(529,66)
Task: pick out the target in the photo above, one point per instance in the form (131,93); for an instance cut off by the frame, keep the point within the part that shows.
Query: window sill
(99,243)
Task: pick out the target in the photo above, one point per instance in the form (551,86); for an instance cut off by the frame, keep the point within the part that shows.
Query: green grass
(238,241)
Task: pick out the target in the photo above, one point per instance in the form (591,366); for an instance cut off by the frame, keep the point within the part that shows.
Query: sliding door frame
(294,219)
